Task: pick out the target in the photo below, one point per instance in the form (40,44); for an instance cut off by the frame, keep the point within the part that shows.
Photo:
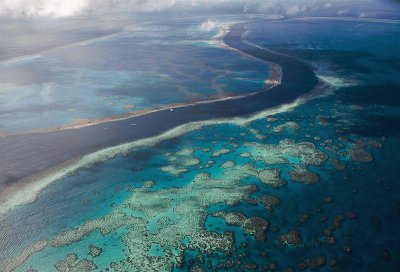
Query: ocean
(300,176)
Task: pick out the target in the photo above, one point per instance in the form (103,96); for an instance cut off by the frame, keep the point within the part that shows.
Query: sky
(71,8)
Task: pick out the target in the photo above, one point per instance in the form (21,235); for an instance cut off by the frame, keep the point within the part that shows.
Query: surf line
(72,150)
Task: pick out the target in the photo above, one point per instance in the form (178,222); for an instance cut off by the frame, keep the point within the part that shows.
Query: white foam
(338,82)
(218,39)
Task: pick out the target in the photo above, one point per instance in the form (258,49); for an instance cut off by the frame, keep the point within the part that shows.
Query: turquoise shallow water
(344,206)
(143,67)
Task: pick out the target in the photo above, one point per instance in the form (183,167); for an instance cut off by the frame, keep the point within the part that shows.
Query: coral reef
(251,226)
(288,125)
(269,202)
(301,174)
(305,152)
(95,251)
(71,263)
(292,238)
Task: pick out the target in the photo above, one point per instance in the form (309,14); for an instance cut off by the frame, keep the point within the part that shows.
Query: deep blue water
(364,106)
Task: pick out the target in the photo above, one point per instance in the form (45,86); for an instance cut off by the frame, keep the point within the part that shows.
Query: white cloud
(341,12)
(208,26)
(294,9)
(43,8)
(66,8)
